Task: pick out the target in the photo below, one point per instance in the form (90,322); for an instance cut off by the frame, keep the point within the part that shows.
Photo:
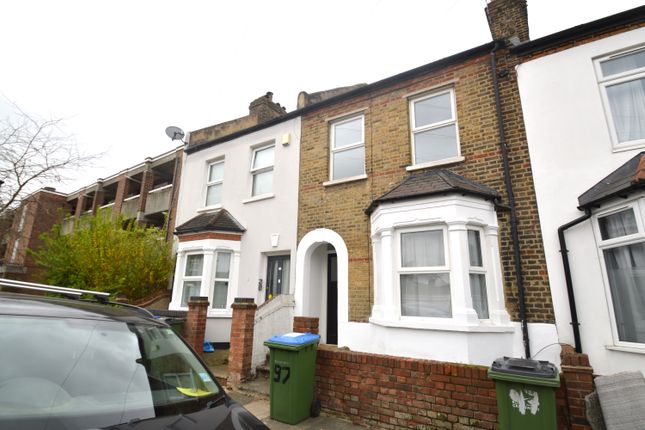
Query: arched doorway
(321,282)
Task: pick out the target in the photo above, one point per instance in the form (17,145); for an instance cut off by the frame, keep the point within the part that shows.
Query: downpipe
(519,277)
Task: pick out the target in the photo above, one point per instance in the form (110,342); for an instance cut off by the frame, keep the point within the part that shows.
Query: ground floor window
(622,243)
(222,275)
(192,280)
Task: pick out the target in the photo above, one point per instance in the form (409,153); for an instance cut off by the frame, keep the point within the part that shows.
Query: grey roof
(628,177)
(433,182)
(220,220)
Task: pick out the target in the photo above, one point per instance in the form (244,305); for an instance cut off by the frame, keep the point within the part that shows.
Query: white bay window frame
(625,77)
(637,206)
(455,216)
(210,248)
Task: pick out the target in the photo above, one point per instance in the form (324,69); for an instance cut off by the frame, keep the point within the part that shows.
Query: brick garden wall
(386,392)
(341,207)
(380,391)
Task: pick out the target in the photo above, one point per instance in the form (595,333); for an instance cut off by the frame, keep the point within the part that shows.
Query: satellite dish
(175,133)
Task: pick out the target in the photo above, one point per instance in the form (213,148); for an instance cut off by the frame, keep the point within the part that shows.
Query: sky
(119,72)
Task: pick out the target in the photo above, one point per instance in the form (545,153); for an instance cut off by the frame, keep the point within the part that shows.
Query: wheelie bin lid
(293,340)
(524,370)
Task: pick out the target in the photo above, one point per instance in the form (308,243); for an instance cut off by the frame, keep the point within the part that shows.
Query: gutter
(517,257)
(593,28)
(567,276)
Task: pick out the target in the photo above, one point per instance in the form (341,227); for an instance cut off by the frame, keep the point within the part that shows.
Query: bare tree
(34,152)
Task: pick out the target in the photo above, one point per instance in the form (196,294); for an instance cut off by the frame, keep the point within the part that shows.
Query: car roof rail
(69,292)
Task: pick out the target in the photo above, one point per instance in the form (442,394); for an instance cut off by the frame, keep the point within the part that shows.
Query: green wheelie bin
(525,393)
(292,366)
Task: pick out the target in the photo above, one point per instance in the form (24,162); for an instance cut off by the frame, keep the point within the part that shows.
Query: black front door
(277,276)
(332,300)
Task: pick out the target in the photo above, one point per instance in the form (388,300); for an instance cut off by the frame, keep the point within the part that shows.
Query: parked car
(76,364)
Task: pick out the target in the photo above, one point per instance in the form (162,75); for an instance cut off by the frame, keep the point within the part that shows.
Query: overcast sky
(120,72)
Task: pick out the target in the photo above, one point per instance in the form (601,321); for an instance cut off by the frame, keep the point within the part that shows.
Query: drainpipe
(519,277)
(567,277)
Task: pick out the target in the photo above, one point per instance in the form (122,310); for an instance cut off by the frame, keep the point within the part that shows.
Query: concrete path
(260,408)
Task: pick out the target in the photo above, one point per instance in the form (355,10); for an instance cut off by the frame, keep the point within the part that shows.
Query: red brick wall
(305,325)
(241,350)
(380,391)
(195,326)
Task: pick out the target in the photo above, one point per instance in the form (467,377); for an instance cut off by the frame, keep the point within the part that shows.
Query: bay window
(222,275)
(622,244)
(192,279)
(424,275)
(477,275)
(437,265)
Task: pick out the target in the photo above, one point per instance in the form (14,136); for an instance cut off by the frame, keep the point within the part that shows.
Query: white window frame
(195,278)
(216,279)
(619,78)
(638,206)
(212,183)
(333,150)
(255,171)
(479,270)
(414,130)
(422,270)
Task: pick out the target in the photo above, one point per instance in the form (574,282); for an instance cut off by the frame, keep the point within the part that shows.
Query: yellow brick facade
(340,207)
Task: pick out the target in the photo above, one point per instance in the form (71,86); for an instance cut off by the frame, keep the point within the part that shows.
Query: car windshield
(77,373)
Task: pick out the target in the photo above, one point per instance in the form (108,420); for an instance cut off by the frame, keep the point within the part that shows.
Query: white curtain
(426,295)
(627,103)
(618,225)
(626,273)
(422,249)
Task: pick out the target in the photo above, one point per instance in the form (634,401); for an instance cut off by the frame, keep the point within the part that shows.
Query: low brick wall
(387,392)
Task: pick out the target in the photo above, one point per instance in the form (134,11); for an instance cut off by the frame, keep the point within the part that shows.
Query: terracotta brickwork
(341,207)
(195,326)
(386,392)
(41,210)
(209,235)
(577,382)
(380,391)
(241,349)
(305,325)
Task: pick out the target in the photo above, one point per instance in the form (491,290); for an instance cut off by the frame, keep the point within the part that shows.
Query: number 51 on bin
(279,371)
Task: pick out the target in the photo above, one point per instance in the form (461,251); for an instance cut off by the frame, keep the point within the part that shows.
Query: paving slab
(259,406)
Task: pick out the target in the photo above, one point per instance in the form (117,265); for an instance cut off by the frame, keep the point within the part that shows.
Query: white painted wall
(261,218)
(571,150)
(272,318)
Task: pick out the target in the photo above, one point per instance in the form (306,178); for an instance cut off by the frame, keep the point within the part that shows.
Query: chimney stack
(264,108)
(508,20)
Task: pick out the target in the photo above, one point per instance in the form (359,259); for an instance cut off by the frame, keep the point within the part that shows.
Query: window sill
(445,161)
(258,198)
(345,180)
(448,325)
(209,208)
(220,313)
(628,146)
(632,349)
